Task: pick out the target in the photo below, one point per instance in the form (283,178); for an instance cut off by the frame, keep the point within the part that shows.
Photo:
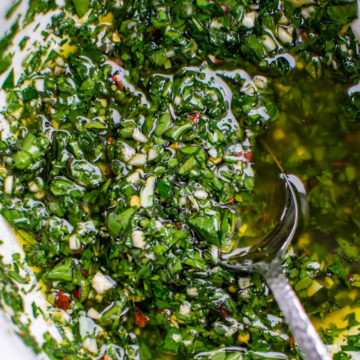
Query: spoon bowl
(264,256)
(272,245)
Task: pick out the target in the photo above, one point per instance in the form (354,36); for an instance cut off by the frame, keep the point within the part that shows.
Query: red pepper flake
(78,251)
(263,216)
(312,182)
(350,277)
(85,273)
(164,311)
(117,62)
(179,226)
(108,172)
(62,301)
(105,357)
(76,294)
(109,140)
(248,155)
(352,138)
(291,342)
(218,61)
(140,318)
(117,79)
(245,154)
(337,165)
(232,200)
(194,118)
(167,312)
(225,8)
(303,34)
(154,31)
(223,311)
(308,253)
(38,237)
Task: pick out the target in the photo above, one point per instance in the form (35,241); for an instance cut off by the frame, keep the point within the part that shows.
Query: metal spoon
(265,256)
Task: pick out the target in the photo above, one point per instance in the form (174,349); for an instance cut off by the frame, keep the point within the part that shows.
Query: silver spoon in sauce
(264,256)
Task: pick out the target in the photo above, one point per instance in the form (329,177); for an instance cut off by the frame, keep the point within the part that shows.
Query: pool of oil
(315,136)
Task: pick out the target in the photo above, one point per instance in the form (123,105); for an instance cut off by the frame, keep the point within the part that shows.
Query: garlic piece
(249,19)
(201,194)
(284,36)
(138,239)
(147,193)
(8,184)
(138,160)
(139,136)
(102,283)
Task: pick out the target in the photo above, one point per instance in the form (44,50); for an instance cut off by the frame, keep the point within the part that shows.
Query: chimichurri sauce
(127,166)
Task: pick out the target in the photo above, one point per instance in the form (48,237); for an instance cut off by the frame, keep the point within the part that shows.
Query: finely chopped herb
(129,152)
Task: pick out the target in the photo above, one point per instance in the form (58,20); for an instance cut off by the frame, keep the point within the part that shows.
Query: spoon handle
(300,325)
